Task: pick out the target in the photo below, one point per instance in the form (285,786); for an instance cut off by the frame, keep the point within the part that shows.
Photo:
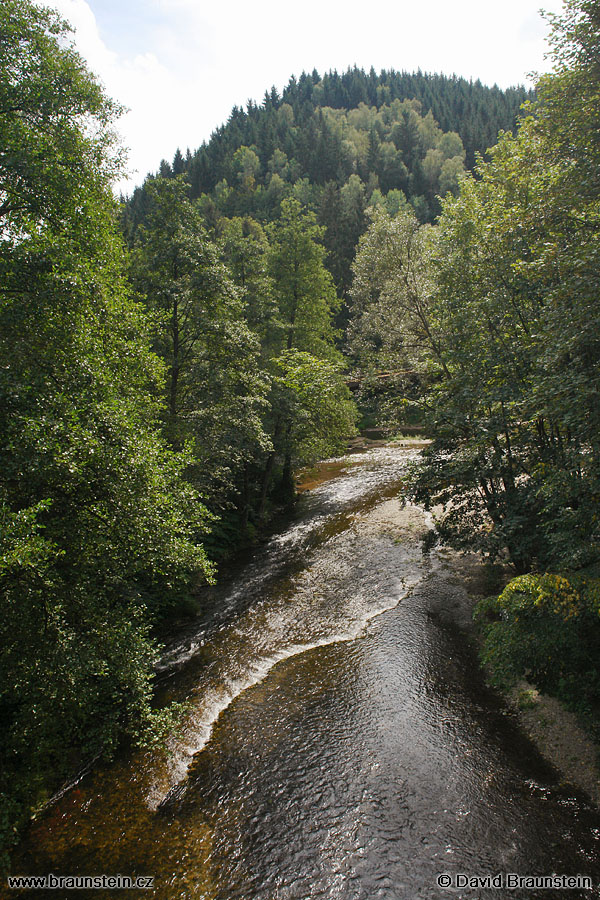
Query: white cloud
(148,88)
(82,19)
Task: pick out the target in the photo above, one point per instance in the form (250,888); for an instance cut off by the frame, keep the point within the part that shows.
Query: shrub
(546,628)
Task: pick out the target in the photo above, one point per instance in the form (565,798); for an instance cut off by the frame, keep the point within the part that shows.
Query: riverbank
(554,729)
(559,736)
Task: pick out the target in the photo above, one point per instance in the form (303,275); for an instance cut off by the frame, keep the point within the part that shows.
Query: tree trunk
(174,378)
(266,483)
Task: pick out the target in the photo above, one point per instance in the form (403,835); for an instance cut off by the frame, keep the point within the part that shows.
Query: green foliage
(391,332)
(228,312)
(317,405)
(98,529)
(516,454)
(54,121)
(326,126)
(304,288)
(490,319)
(215,390)
(245,249)
(310,410)
(546,628)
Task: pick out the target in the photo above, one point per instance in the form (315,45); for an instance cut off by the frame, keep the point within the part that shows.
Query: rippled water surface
(339,743)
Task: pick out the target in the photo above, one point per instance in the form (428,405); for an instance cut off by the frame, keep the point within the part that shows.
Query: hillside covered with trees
(339,144)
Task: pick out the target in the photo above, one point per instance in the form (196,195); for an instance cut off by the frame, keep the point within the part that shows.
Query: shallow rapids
(338,742)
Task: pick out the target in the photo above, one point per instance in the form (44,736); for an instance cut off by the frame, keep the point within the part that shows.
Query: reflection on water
(340,743)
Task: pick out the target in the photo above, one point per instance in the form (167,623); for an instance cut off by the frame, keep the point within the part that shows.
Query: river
(339,740)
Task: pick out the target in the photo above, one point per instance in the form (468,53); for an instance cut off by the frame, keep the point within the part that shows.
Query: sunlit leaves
(317,405)
(515,417)
(303,287)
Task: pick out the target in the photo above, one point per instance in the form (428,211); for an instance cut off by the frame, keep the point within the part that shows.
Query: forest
(169,360)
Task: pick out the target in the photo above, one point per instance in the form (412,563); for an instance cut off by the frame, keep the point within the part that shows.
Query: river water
(339,741)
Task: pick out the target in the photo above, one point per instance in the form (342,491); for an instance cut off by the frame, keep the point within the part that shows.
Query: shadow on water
(340,742)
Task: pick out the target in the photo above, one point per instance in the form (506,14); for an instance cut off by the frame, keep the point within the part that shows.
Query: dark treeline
(475,111)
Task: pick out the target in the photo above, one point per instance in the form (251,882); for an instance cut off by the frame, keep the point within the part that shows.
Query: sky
(179,66)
